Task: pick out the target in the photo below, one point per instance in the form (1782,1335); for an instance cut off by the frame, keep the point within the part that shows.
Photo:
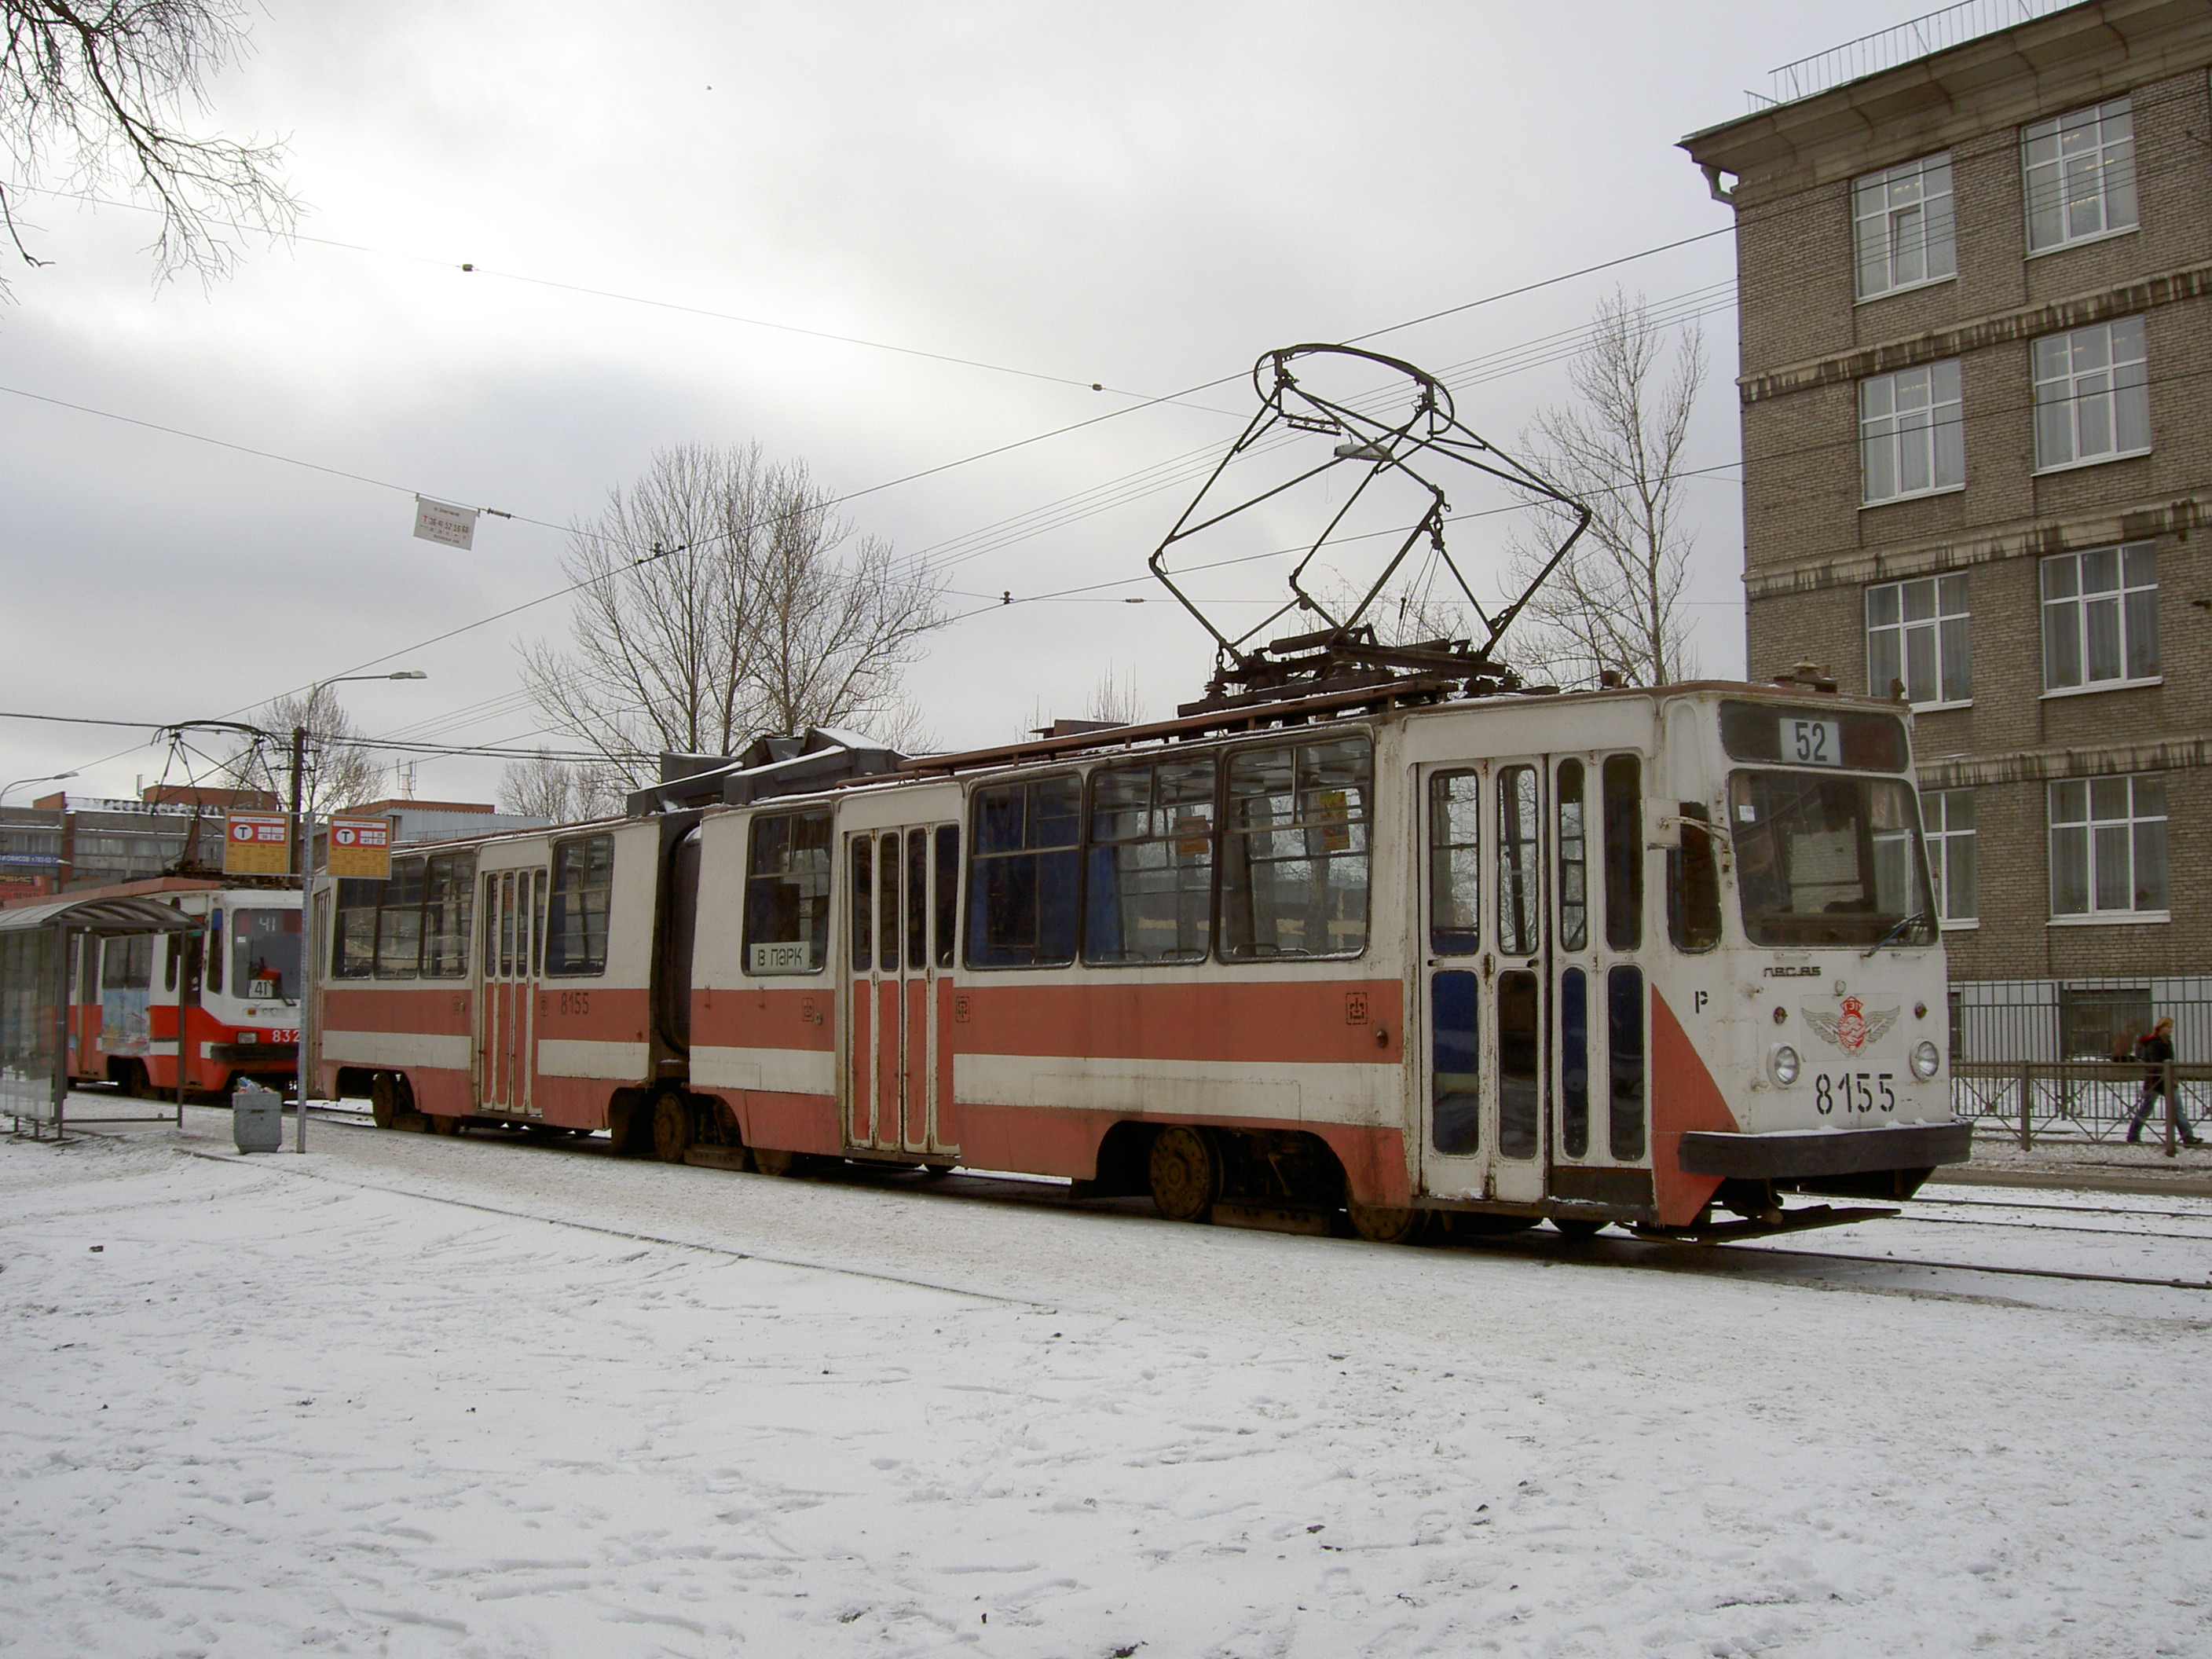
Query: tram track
(1625,1252)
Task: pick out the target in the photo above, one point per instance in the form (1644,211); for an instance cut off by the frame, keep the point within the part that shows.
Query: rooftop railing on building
(1870,54)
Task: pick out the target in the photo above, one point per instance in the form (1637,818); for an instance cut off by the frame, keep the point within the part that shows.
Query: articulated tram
(1393,962)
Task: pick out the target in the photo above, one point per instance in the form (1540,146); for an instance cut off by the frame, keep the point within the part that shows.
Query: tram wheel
(671,1128)
(384,1103)
(442,1125)
(627,1124)
(1386,1224)
(1185,1171)
(1577,1230)
(774,1161)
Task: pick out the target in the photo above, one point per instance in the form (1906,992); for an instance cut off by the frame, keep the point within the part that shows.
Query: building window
(2081,175)
(1917,637)
(2108,847)
(2092,395)
(1947,817)
(2101,616)
(1901,219)
(1909,434)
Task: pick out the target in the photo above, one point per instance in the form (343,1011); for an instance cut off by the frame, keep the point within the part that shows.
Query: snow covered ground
(407,1395)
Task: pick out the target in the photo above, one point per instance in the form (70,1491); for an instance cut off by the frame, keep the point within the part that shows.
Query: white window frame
(2082,158)
(2086,379)
(1899,215)
(1911,421)
(1947,825)
(2114,827)
(1939,637)
(2122,607)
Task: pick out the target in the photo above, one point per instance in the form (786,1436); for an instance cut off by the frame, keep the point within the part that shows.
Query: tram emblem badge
(1851,1028)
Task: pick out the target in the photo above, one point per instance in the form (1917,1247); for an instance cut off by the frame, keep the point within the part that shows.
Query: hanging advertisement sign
(361,848)
(445,524)
(257,844)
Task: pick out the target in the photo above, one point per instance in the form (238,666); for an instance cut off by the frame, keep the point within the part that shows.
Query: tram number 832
(1854,1092)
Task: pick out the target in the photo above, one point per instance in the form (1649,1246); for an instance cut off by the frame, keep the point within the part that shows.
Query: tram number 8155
(1853,1092)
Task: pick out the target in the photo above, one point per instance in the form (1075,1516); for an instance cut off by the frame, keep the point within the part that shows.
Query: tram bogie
(1614,957)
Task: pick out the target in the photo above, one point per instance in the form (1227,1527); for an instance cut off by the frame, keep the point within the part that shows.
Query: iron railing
(1870,54)
(2082,1101)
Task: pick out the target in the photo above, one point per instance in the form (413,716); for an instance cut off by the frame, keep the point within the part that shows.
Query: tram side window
(1295,851)
(215,952)
(1520,894)
(1694,886)
(948,890)
(1622,781)
(1573,859)
(583,880)
(787,894)
(1624,1050)
(1454,864)
(449,884)
(1025,874)
(126,963)
(1151,889)
(399,921)
(863,851)
(353,952)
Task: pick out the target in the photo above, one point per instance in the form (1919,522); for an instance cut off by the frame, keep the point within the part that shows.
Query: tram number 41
(1853,1092)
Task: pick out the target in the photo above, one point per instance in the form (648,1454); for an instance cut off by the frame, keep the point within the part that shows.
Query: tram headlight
(1784,1063)
(1925,1061)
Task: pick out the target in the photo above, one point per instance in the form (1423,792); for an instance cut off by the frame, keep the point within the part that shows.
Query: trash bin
(257,1118)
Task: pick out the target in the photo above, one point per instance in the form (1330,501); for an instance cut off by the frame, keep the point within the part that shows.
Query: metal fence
(1886,49)
(2056,1059)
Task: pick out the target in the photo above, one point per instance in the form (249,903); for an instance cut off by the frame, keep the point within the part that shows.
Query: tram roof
(102,914)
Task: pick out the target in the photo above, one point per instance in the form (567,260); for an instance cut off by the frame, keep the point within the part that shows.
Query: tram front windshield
(1828,860)
(264,955)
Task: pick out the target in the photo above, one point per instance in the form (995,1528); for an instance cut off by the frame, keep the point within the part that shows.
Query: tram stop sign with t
(257,844)
(361,848)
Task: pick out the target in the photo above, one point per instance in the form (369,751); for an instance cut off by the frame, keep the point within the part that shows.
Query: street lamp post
(303,843)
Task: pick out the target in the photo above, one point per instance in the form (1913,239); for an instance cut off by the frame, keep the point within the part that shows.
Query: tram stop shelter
(34,969)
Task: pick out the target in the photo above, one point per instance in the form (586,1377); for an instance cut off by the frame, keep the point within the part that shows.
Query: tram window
(449,880)
(887,908)
(917,898)
(1149,897)
(1520,1065)
(1694,886)
(491,926)
(507,929)
(1622,781)
(126,962)
(399,922)
(1520,894)
(1573,856)
(1454,1063)
(583,881)
(862,852)
(215,945)
(1574,1063)
(170,951)
(537,933)
(1624,1050)
(264,953)
(948,890)
(353,952)
(787,893)
(1294,852)
(1025,874)
(1454,863)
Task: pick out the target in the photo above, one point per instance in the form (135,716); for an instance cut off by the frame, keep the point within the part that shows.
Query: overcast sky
(1145,195)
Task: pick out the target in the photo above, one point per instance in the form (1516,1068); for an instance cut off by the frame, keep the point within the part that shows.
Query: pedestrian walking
(2155,1049)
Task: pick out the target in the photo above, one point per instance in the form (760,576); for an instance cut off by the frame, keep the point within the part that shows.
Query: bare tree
(91,93)
(1114,698)
(340,772)
(564,791)
(1615,602)
(721,597)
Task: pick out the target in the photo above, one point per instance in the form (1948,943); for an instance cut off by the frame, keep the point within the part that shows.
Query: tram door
(514,952)
(904,887)
(1488,973)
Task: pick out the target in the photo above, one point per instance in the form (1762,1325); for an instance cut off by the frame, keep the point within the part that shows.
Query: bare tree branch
(563,791)
(92,94)
(774,618)
(1615,602)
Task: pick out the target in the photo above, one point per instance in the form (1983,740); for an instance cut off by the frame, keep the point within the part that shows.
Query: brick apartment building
(1976,312)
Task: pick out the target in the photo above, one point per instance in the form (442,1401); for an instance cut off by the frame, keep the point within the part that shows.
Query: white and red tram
(1600,957)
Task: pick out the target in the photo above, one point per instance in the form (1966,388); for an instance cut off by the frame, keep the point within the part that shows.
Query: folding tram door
(514,956)
(903,887)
